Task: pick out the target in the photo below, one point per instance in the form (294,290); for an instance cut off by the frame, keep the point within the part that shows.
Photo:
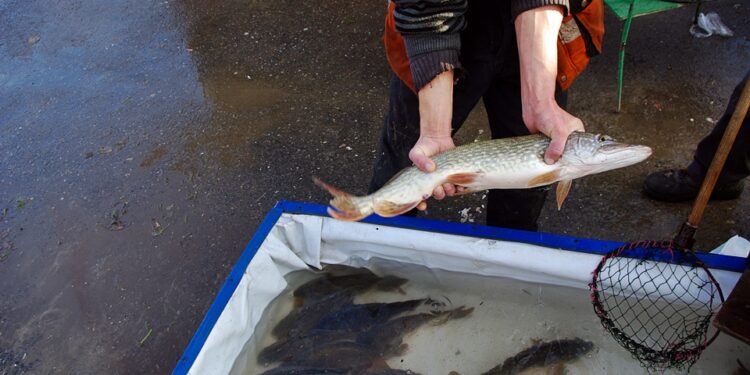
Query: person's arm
(435,115)
(537,30)
(431,31)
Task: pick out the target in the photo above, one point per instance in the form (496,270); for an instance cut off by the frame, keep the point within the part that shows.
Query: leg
(737,166)
(675,185)
(512,208)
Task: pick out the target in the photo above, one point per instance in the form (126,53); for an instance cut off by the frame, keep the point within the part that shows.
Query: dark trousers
(737,165)
(490,72)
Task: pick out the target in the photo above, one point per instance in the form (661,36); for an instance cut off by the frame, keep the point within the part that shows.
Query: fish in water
(386,340)
(341,324)
(287,348)
(304,370)
(346,355)
(543,354)
(358,317)
(357,282)
(507,163)
(390,371)
(318,297)
(305,317)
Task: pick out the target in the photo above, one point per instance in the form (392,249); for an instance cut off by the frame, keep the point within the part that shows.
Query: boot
(676,185)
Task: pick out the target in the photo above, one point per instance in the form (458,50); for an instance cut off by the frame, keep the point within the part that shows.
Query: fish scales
(508,163)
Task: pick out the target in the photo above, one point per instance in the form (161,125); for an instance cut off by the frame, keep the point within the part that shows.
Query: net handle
(685,237)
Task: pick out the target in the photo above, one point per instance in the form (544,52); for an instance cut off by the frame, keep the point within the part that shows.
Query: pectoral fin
(563,188)
(545,179)
(462,179)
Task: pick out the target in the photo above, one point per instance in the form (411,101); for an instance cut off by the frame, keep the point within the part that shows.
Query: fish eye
(605,138)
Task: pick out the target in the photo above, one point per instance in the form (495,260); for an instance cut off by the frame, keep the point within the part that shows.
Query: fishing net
(657,301)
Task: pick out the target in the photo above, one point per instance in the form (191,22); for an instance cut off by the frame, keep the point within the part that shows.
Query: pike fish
(508,163)
(543,354)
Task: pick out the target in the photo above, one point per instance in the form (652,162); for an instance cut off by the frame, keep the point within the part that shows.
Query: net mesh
(657,301)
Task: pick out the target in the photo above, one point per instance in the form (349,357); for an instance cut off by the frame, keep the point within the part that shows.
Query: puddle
(239,92)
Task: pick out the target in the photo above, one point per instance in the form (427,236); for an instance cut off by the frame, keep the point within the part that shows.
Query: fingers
(559,137)
(445,190)
(438,193)
(555,149)
(422,205)
(419,157)
(450,189)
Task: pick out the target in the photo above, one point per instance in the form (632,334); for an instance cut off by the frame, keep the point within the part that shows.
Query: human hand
(421,154)
(554,122)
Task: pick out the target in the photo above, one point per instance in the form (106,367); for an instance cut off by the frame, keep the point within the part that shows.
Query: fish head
(587,153)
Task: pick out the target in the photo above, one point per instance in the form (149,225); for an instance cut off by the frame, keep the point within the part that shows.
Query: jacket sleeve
(431,31)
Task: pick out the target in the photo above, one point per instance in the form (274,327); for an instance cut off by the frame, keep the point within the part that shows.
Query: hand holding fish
(554,122)
(425,148)
(435,113)
(537,33)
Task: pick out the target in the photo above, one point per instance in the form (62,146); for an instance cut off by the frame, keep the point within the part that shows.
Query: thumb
(554,150)
(421,160)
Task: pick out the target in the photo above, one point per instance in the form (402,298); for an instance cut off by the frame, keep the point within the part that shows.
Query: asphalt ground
(142,144)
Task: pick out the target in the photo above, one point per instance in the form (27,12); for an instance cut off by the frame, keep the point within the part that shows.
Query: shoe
(676,185)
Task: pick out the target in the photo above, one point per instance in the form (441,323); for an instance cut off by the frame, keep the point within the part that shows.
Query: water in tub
(436,322)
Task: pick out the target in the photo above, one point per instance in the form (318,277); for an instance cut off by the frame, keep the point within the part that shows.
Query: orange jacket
(577,30)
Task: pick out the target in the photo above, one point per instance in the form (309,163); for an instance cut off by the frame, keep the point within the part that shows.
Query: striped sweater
(431,31)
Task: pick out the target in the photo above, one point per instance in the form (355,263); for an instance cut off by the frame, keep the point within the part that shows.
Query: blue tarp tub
(550,273)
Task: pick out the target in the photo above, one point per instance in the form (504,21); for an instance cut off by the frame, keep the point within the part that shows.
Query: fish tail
(345,206)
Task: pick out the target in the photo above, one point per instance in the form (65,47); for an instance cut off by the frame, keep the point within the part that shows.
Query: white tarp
(300,240)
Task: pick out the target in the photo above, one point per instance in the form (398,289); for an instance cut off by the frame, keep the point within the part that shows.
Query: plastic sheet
(299,241)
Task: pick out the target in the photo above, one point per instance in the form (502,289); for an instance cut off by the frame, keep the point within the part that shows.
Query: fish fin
(465,191)
(342,205)
(563,188)
(388,209)
(298,301)
(379,365)
(555,369)
(545,178)
(402,349)
(462,179)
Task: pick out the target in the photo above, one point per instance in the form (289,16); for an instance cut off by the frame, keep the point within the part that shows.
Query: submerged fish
(305,317)
(391,371)
(304,370)
(543,354)
(287,348)
(358,317)
(508,163)
(318,297)
(342,355)
(386,340)
(357,282)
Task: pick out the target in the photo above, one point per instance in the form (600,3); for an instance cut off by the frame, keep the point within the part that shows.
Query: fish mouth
(625,154)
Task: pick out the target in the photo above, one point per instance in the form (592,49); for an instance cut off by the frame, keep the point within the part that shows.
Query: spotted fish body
(508,163)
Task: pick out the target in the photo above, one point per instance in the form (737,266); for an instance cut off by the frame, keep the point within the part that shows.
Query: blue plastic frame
(591,246)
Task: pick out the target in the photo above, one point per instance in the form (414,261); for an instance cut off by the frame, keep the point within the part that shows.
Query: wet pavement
(142,144)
